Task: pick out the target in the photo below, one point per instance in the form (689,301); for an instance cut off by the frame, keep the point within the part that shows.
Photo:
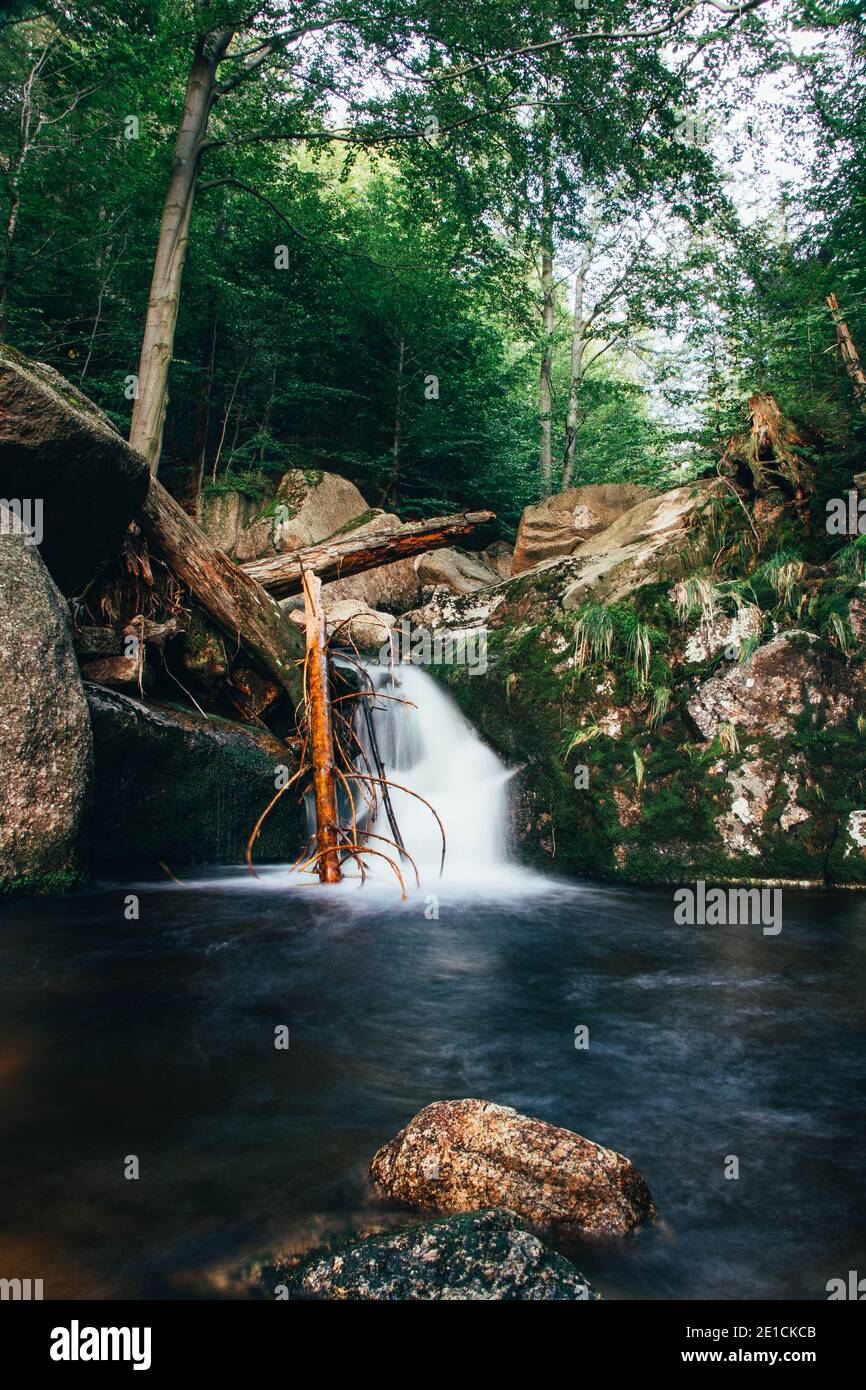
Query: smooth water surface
(156,1038)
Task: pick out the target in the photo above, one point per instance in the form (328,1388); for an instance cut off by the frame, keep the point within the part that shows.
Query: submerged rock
(57,449)
(559,524)
(176,786)
(46,753)
(485,1255)
(456,1155)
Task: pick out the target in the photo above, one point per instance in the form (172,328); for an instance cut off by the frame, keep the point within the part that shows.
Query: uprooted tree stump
(774,455)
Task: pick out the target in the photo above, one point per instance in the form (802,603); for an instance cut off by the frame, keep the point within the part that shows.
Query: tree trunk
(548,323)
(578,343)
(246,614)
(545,385)
(281,575)
(321,735)
(157,345)
(850,355)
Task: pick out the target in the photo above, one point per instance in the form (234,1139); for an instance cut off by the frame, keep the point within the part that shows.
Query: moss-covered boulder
(483,1255)
(61,455)
(178,787)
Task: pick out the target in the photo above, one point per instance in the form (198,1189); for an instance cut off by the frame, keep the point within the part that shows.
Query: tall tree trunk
(545,385)
(157,345)
(548,323)
(202,418)
(850,355)
(578,344)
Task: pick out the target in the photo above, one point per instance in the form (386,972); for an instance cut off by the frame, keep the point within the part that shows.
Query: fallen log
(282,575)
(321,735)
(247,615)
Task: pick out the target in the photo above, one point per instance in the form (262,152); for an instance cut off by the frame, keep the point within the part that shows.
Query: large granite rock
(559,524)
(59,451)
(306,506)
(643,546)
(456,570)
(485,1255)
(456,1155)
(46,754)
(175,786)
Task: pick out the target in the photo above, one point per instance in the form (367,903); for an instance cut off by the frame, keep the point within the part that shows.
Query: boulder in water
(46,754)
(485,1255)
(456,1155)
(176,786)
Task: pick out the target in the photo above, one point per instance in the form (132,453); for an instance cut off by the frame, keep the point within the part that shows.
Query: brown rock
(458,1155)
(643,546)
(455,570)
(560,523)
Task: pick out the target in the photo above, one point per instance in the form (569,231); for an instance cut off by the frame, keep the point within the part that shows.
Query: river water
(155,1038)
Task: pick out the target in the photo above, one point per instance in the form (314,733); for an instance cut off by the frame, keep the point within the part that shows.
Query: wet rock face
(485,1255)
(46,753)
(560,523)
(457,1155)
(57,449)
(174,786)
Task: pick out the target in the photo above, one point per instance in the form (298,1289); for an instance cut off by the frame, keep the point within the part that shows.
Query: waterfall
(430,748)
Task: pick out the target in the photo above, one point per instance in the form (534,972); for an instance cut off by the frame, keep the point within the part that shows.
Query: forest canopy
(463,254)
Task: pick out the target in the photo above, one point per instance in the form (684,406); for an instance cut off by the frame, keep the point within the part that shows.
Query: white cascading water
(433,750)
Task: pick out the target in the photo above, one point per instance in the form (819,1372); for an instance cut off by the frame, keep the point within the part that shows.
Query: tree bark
(850,355)
(578,343)
(236,603)
(157,346)
(281,575)
(548,324)
(321,735)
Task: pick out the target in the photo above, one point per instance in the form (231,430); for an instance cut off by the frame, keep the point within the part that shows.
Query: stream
(155,1038)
